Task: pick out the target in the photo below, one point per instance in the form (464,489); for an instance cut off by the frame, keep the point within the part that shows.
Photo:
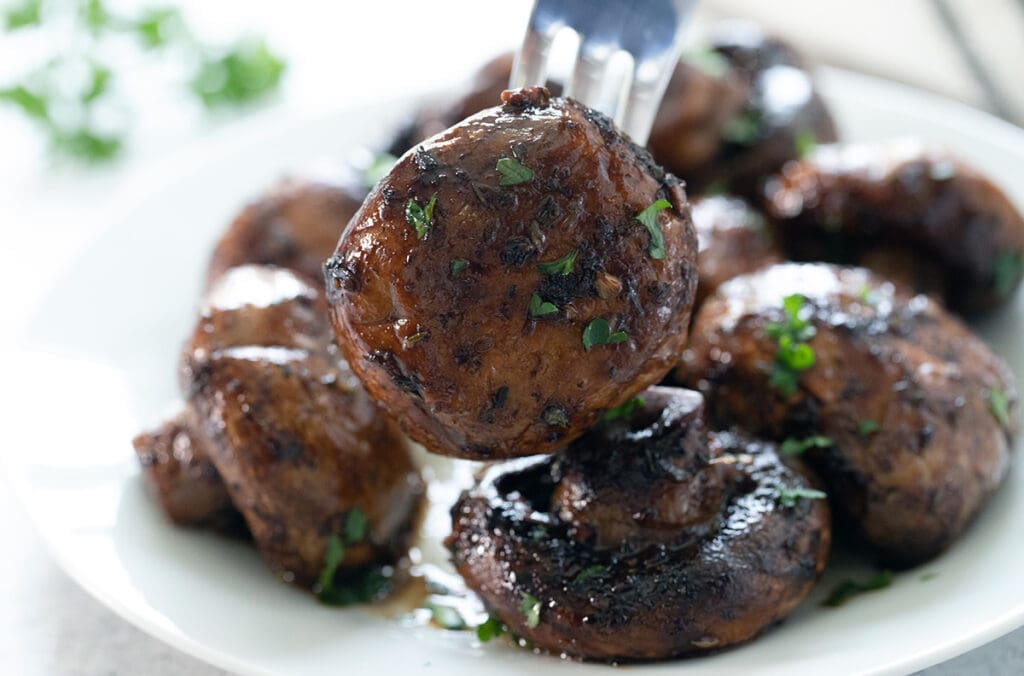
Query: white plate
(96,364)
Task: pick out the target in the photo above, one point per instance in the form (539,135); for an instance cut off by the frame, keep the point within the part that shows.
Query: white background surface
(336,56)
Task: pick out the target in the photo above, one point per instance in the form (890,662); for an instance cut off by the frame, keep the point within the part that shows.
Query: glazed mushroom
(179,474)
(913,213)
(304,454)
(906,415)
(738,112)
(294,225)
(646,539)
(732,238)
(513,278)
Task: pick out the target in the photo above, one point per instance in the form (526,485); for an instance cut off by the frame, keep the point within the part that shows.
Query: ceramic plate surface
(95,364)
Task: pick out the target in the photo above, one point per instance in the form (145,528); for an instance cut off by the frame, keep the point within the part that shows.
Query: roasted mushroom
(293,225)
(737,112)
(915,214)
(513,278)
(906,415)
(304,453)
(732,238)
(648,538)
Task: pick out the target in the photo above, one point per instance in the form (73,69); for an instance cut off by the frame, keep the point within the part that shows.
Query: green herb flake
(355,526)
(589,572)
(333,557)
(377,169)
(420,217)
(513,172)
(793,355)
(28,13)
(805,142)
(157,27)
(32,104)
(624,410)
(850,588)
(708,60)
(540,308)
(458,265)
(599,333)
(1006,272)
(246,72)
(446,617)
(530,608)
(649,218)
(793,446)
(998,403)
(743,129)
(362,587)
(867,427)
(563,266)
(788,497)
(489,628)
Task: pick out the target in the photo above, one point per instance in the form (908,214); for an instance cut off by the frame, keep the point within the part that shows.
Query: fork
(648,31)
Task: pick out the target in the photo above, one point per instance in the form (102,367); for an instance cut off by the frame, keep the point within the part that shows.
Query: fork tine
(650,78)
(588,74)
(531,63)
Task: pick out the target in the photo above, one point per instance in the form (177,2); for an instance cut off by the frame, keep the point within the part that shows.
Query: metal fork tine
(588,74)
(637,115)
(531,62)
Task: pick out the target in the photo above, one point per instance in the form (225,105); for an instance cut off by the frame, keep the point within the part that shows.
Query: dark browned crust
(882,355)
(708,560)
(295,225)
(912,213)
(457,358)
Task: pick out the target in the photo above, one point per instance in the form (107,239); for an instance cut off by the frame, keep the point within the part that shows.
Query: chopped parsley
(708,60)
(649,218)
(244,73)
(793,446)
(589,572)
(599,333)
(624,410)
(25,14)
(539,308)
(458,265)
(998,403)
(489,628)
(788,497)
(805,142)
(446,617)
(1006,270)
(850,588)
(867,427)
(420,217)
(562,266)
(363,587)
(743,129)
(530,608)
(513,172)
(793,355)
(377,169)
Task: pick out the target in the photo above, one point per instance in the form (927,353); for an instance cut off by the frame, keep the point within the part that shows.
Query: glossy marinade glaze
(498,315)
(647,538)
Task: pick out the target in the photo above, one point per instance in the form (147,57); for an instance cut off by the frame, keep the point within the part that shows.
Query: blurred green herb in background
(221,77)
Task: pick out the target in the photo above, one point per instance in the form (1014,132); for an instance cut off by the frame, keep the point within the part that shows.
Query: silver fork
(649,31)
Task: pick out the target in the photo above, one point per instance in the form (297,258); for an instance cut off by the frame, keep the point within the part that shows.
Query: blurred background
(98,96)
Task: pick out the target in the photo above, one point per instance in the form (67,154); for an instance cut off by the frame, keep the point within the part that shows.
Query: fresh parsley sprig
(649,218)
(793,355)
(847,589)
(598,332)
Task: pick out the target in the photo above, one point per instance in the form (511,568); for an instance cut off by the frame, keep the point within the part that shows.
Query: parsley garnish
(599,333)
(355,525)
(26,14)
(332,559)
(867,427)
(530,608)
(805,142)
(793,355)
(489,628)
(513,172)
(420,217)
(624,410)
(244,73)
(849,588)
(1006,270)
(446,617)
(364,586)
(792,446)
(562,266)
(998,403)
(649,217)
(867,295)
(378,169)
(589,572)
(156,27)
(539,308)
(743,129)
(458,265)
(708,60)
(788,497)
